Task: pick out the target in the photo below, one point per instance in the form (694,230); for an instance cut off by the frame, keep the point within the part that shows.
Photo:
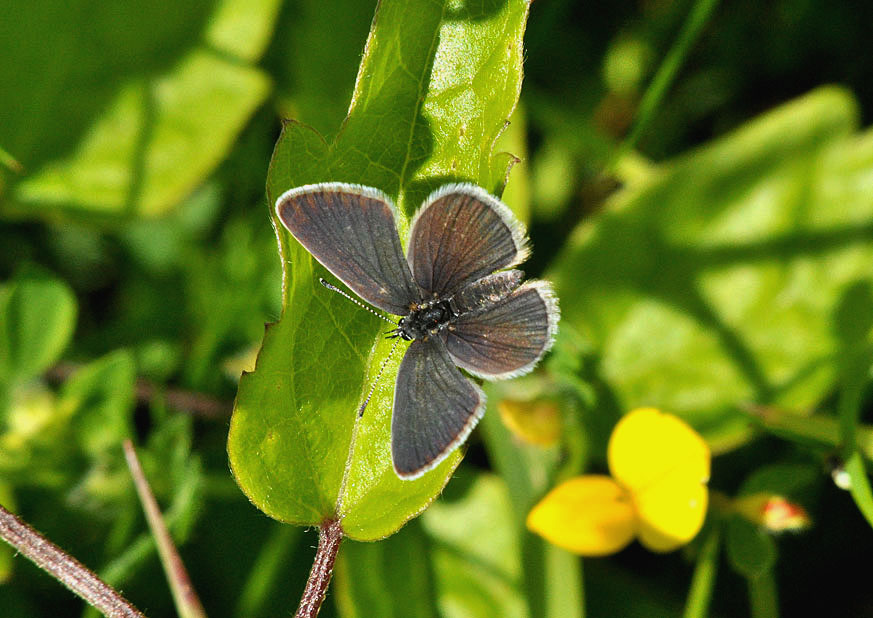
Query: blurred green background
(725,260)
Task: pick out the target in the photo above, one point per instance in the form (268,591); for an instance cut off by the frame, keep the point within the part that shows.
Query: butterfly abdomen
(484,292)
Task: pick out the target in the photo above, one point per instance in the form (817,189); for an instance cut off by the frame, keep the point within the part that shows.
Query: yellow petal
(664,465)
(670,513)
(648,446)
(589,515)
(536,422)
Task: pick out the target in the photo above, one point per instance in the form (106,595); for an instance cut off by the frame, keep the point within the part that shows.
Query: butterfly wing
(508,338)
(435,408)
(350,229)
(462,233)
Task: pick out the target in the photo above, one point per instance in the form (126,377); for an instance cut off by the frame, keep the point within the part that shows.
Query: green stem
(666,74)
(552,579)
(703,581)
(762,596)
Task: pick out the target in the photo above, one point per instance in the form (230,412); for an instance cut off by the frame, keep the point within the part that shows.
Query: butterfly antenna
(376,381)
(333,288)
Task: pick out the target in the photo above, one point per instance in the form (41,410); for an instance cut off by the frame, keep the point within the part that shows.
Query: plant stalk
(187,602)
(330,534)
(63,567)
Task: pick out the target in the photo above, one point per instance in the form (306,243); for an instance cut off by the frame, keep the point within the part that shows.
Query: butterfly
(460,302)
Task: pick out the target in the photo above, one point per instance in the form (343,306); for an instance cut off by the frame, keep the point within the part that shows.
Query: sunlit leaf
(412,126)
(115,128)
(713,282)
(476,553)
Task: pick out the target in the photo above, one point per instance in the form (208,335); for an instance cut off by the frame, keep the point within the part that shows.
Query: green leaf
(37,319)
(35,446)
(242,28)
(268,571)
(100,398)
(73,440)
(392,579)
(314,81)
(763,596)
(786,479)
(751,551)
(859,486)
(106,126)
(176,476)
(433,93)
(477,553)
(712,282)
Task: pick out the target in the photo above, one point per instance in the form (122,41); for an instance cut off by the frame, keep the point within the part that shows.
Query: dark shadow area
(314,58)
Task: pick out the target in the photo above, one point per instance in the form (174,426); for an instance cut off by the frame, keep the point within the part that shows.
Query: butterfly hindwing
(508,338)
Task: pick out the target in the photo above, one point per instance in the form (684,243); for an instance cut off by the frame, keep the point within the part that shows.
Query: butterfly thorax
(430,317)
(426,318)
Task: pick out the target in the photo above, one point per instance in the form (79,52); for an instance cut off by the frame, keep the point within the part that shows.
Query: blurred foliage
(720,270)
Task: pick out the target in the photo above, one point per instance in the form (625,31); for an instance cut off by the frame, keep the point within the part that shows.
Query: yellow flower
(657,491)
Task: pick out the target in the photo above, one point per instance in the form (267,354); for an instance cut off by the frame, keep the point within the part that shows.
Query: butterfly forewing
(508,338)
(350,229)
(435,408)
(460,234)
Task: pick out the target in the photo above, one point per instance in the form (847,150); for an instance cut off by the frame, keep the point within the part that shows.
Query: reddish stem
(187,602)
(63,567)
(330,534)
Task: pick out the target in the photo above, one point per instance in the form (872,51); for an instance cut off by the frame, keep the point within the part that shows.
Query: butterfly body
(462,305)
(425,320)
(429,318)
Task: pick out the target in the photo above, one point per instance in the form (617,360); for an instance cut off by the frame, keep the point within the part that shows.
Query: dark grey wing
(435,408)
(462,233)
(508,338)
(350,229)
